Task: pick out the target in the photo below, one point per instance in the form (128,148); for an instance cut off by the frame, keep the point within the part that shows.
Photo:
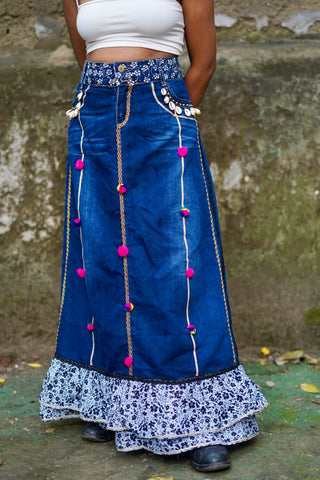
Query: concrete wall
(260,126)
(39,23)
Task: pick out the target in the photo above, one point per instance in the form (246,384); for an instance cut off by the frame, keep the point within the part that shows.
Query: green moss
(312,317)
(254,37)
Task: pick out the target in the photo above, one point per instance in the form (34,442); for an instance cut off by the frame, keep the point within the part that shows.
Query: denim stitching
(63,292)
(165,108)
(123,221)
(172,96)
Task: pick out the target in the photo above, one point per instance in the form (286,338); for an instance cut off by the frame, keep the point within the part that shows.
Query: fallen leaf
(314,361)
(0,462)
(279,361)
(50,430)
(6,359)
(35,365)
(2,380)
(309,387)
(316,402)
(160,478)
(265,351)
(295,355)
(270,384)
(299,399)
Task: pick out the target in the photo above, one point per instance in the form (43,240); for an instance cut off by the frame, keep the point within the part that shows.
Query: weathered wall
(260,125)
(38,23)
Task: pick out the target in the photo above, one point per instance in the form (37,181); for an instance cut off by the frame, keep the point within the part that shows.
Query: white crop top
(154,24)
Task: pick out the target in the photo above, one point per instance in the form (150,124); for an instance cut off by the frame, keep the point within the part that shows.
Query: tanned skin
(200,39)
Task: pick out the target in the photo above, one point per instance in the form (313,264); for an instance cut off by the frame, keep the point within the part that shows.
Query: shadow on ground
(288,447)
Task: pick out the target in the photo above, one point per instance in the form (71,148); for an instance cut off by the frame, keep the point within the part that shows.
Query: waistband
(130,73)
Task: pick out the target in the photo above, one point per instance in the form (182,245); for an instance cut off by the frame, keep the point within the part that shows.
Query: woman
(145,346)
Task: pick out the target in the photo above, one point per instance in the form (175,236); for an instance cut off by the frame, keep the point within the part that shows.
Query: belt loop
(114,74)
(160,70)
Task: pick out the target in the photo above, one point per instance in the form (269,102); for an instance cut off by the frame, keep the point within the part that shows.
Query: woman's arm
(79,46)
(201,45)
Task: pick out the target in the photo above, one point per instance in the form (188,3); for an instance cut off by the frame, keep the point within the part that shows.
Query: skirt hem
(190,448)
(152,412)
(116,429)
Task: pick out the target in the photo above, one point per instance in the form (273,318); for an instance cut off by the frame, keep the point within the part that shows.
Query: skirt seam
(147,380)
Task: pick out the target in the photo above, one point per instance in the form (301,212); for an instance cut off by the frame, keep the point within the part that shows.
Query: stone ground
(288,447)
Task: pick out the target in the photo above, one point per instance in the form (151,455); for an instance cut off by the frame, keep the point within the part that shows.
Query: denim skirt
(145,344)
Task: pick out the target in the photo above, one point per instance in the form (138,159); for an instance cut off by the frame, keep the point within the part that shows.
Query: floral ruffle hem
(164,418)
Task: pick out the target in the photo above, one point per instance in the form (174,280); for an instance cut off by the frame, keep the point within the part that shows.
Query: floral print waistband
(130,73)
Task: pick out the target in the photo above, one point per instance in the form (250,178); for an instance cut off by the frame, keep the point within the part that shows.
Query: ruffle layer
(241,431)
(146,413)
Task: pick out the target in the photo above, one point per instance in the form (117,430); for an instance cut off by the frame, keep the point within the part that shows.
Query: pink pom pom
(182,151)
(191,329)
(128,362)
(81,272)
(90,327)
(79,164)
(123,251)
(128,307)
(77,222)
(184,212)
(190,272)
(121,188)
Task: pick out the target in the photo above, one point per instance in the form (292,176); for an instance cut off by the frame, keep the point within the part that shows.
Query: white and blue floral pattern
(163,418)
(113,74)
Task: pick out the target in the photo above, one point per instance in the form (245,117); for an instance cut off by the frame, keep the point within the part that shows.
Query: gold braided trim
(64,283)
(123,221)
(216,248)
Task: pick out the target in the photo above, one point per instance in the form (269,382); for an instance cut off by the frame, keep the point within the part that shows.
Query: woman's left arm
(201,44)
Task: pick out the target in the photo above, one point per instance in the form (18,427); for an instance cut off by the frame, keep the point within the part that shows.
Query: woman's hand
(79,46)
(201,45)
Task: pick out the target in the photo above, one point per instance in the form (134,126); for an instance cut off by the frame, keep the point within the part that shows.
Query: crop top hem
(136,43)
(154,24)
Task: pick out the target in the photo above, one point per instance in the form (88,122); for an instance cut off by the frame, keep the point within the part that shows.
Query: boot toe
(94,433)
(211,458)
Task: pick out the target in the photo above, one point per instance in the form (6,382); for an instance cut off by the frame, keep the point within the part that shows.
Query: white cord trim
(93,344)
(187,253)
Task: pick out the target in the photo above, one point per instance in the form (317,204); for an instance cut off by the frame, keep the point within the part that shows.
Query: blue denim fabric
(150,101)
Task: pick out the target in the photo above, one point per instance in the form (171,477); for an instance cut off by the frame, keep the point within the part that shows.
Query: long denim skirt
(145,344)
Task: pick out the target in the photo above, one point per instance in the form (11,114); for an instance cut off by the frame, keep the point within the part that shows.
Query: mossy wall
(261,128)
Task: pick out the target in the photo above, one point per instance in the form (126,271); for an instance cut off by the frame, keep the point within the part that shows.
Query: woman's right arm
(70,10)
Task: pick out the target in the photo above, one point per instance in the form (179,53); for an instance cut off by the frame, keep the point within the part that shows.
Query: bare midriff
(124,54)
